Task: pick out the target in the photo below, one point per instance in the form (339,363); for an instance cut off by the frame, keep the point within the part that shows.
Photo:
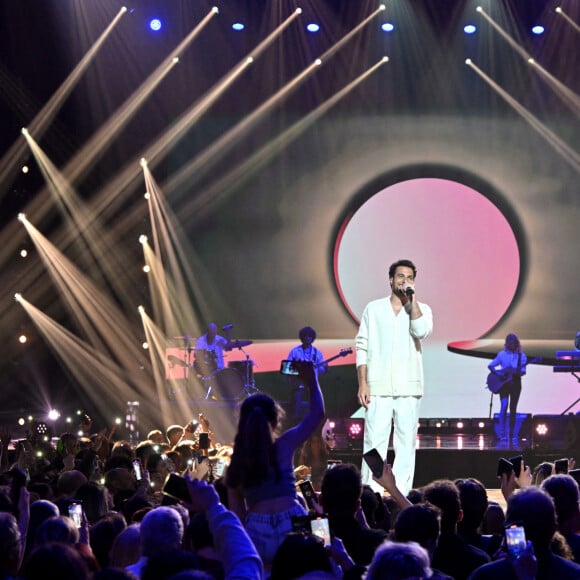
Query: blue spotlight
(470,29)
(387,27)
(538,29)
(238,26)
(155,24)
(313,27)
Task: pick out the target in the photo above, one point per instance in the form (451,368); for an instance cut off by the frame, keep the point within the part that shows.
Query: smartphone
(287,367)
(308,493)
(204,440)
(319,527)
(137,470)
(301,524)
(561,466)
(220,466)
(374,461)
(575,473)
(175,486)
(504,466)
(75,512)
(518,462)
(515,539)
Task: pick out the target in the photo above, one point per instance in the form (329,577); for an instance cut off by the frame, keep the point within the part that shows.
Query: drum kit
(232,383)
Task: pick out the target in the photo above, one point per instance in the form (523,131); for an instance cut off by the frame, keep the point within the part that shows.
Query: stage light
(479,9)
(387,27)
(145,346)
(23,253)
(143,239)
(459,424)
(238,26)
(53,415)
(559,10)
(175,59)
(143,162)
(68,420)
(313,27)
(538,30)
(542,429)
(469,29)
(141,309)
(215,10)
(147,195)
(25,169)
(298,11)
(155,24)
(21,421)
(22,339)
(24,131)
(146,268)
(468,61)
(481,425)
(21,217)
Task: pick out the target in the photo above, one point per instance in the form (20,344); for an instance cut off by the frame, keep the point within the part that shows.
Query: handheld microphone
(227,327)
(409,291)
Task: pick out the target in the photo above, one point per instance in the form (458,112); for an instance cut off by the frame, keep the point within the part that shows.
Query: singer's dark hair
(405,263)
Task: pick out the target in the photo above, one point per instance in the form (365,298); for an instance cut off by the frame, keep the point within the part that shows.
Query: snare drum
(245,368)
(227,385)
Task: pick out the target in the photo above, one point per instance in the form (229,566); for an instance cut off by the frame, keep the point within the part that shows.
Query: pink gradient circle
(466,253)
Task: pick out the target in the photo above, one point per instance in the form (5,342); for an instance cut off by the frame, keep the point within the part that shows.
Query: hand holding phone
(319,527)
(504,466)
(308,493)
(137,469)
(175,486)
(561,466)
(518,463)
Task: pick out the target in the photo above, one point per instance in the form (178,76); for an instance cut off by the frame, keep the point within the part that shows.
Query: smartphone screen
(308,493)
(333,463)
(319,527)
(515,538)
(137,470)
(75,512)
(374,461)
(204,440)
(287,367)
(561,466)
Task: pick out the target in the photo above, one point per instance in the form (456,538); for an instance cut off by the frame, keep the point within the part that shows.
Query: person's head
(126,547)
(473,497)
(62,560)
(174,434)
(419,523)
(161,530)
(493,520)
(10,549)
(541,472)
(299,554)
(69,481)
(401,272)
(258,426)
(166,565)
(444,494)
(119,480)
(212,330)
(95,500)
(341,490)
(534,508)
(58,529)
(395,561)
(68,444)
(103,534)
(156,436)
(307,335)
(512,343)
(564,491)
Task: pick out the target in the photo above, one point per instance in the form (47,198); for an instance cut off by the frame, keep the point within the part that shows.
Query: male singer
(390,371)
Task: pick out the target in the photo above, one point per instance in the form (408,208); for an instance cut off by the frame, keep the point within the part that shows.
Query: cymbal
(237,344)
(176,360)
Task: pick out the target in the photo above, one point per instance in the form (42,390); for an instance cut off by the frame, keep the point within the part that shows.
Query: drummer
(209,351)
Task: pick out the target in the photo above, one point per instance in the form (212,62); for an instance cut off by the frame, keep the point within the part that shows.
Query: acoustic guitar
(496,381)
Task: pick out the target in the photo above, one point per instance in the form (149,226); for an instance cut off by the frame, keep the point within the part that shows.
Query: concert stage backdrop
(293,208)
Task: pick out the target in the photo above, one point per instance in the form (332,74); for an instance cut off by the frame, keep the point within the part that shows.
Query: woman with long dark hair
(260,478)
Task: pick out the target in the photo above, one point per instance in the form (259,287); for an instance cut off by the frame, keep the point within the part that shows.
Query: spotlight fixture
(25,169)
(155,24)
(387,27)
(143,239)
(237,26)
(469,29)
(538,29)
(313,27)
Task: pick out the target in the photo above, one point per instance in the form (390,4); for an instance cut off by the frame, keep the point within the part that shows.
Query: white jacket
(390,346)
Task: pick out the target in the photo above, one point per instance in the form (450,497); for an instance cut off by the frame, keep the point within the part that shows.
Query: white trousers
(382,414)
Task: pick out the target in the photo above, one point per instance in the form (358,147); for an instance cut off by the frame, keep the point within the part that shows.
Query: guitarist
(305,351)
(510,366)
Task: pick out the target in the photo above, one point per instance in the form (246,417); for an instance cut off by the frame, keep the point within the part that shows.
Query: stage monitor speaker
(556,432)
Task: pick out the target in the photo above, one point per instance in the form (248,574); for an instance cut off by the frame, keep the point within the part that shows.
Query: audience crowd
(179,505)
